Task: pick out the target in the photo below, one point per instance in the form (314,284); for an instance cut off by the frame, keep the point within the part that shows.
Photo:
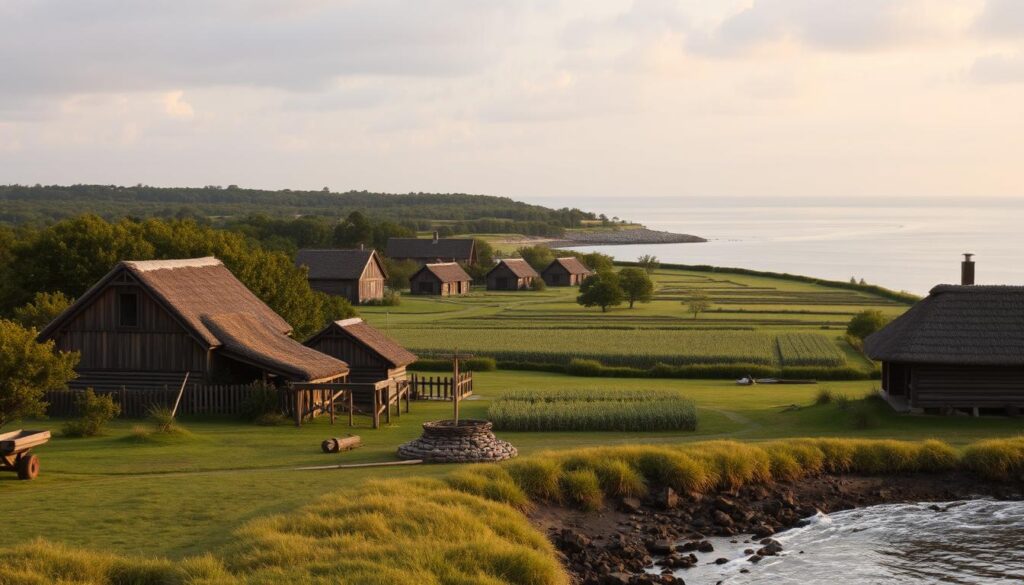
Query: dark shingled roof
(519,267)
(195,289)
(572,265)
(334,264)
(428,249)
(373,339)
(445,272)
(956,325)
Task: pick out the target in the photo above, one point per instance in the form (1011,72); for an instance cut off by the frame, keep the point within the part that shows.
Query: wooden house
(370,354)
(442,279)
(145,324)
(357,275)
(511,274)
(434,250)
(568,271)
(961,348)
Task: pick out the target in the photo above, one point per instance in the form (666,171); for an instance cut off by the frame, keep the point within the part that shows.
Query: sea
(908,244)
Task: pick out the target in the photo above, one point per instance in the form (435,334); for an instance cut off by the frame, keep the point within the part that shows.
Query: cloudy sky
(532,99)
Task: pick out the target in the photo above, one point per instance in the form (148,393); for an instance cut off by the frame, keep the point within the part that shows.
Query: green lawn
(181,496)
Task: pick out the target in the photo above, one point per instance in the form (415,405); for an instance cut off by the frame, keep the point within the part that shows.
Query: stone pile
(468,442)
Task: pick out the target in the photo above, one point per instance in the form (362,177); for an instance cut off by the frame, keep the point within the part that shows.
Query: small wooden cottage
(442,279)
(357,275)
(371,355)
(511,274)
(961,348)
(567,271)
(434,250)
(145,324)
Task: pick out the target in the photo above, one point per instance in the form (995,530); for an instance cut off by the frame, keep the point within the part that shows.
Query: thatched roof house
(371,355)
(568,271)
(146,323)
(357,275)
(446,278)
(960,347)
(433,250)
(511,274)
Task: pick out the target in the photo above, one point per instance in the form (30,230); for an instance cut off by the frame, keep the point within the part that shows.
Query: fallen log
(339,444)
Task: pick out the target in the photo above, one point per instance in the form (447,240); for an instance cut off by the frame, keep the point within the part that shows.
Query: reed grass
(996,459)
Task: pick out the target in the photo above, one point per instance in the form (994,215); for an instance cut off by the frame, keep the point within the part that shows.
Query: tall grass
(809,349)
(998,459)
(581,410)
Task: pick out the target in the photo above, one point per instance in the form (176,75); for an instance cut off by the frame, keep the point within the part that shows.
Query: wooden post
(376,408)
(351,404)
(298,407)
(455,378)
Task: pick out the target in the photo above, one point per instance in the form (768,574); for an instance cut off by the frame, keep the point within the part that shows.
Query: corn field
(593,411)
(809,349)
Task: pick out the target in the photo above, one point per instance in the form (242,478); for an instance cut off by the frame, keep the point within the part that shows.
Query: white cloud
(176,107)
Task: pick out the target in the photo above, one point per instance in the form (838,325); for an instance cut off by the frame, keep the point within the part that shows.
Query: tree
(43,308)
(648,262)
(536,256)
(601,290)
(354,230)
(866,322)
(399,272)
(636,285)
(598,262)
(29,369)
(698,303)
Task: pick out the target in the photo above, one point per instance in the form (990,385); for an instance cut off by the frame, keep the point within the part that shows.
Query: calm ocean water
(907,245)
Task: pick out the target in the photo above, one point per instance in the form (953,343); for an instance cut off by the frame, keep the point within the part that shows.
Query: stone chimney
(967,270)
(435,237)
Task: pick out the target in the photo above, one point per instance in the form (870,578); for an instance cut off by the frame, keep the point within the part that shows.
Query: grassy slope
(186,496)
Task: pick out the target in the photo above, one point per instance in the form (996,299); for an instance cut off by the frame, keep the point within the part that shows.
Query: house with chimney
(357,275)
(147,324)
(434,250)
(960,349)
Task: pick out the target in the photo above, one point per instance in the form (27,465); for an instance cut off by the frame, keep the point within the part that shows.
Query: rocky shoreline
(615,546)
(623,237)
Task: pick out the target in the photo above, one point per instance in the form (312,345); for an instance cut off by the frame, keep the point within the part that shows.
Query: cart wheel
(28,467)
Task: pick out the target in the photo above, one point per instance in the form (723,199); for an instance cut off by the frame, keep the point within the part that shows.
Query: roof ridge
(148,265)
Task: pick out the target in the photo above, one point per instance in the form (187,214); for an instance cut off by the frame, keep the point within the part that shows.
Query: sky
(554,100)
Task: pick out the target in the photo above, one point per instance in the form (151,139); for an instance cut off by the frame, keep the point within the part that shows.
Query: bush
(391,298)
(865,323)
(262,403)
(28,369)
(538,284)
(823,397)
(95,411)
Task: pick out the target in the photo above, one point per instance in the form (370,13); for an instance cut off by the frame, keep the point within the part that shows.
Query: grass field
(753,320)
(180,496)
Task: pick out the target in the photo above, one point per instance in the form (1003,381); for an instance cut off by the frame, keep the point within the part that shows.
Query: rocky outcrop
(470,441)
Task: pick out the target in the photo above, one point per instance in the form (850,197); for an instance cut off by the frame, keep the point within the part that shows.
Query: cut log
(339,444)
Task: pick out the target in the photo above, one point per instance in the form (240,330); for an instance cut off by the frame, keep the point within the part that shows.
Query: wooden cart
(16,452)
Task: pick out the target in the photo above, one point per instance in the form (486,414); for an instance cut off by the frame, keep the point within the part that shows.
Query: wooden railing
(440,387)
(136,402)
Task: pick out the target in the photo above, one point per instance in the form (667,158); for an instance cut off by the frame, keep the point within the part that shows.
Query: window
(128,309)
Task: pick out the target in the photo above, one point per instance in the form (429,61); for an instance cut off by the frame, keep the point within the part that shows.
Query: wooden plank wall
(136,402)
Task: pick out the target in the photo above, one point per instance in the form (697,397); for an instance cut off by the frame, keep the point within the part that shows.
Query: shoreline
(621,237)
(615,545)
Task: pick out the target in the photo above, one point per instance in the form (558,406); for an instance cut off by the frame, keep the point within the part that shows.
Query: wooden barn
(145,324)
(511,274)
(567,271)
(961,348)
(357,275)
(370,354)
(443,279)
(434,250)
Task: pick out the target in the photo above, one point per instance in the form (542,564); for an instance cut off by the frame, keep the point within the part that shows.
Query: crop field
(807,349)
(597,410)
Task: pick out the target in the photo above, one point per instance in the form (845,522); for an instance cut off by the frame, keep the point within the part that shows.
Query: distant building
(371,355)
(145,324)
(567,271)
(962,347)
(357,275)
(434,250)
(442,279)
(511,274)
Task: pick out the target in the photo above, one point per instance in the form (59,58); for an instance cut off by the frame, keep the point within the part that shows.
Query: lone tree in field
(866,322)
(601,290)
(648,262)
(636,285)
(29,369)
(698,303)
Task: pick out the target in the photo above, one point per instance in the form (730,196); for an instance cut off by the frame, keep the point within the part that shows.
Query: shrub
(823,397)
(28,369)
(163,420)
(866,322)
(95,411)
(262,403)
(538,284)
(581,367)
(391,298)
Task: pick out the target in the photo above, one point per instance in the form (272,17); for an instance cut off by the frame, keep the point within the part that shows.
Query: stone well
(445,442)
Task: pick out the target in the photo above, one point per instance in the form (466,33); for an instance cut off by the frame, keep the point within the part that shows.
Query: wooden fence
(136,402)
(440,387)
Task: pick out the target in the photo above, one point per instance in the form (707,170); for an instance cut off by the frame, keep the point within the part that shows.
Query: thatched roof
(197,292)
(571,265)
(336,264)
(244,338)
(956,325)
(429,249)
(445,272)
(372,339)
(519,267)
